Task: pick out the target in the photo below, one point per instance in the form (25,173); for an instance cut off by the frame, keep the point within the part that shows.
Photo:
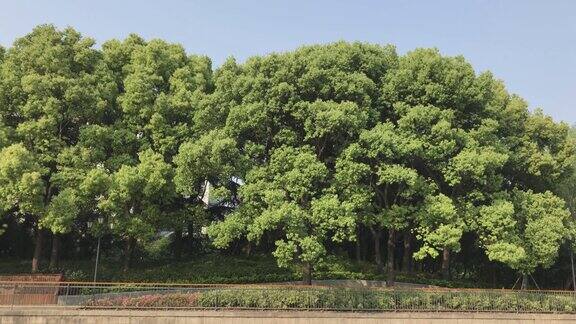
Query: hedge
(349,300)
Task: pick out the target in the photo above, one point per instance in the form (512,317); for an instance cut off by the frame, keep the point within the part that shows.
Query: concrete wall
(62,316)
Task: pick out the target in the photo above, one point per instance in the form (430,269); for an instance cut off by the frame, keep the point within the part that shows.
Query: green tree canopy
(51,86)
(525,230)
(307,149)
(289,195)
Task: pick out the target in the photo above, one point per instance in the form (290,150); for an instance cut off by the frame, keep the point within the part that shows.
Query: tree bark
(407,257)
(55,253)
(390,272)
(38,247)
(525,282)
(128,254)
(416,266)
(572,268)
(190,238)
(446,263)
(377,233)
(307,274)
(248,248)
(358,251)
(177,244)
(493,272)
(568,283)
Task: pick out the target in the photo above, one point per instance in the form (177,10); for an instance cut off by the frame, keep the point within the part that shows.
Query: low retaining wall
(62,316)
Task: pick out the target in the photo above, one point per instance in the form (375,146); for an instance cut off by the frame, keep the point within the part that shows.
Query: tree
(375,175)
(540,160)
(206,168)
(566,189)
(318,96)
(441,102)
(524,230)
(21,187)
(289,195)
(163,89)
(50,88)
(136,199)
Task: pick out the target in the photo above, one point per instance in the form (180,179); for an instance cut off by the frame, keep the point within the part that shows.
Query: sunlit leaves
(525,232)
(213,157)
(21,184)
(287,195)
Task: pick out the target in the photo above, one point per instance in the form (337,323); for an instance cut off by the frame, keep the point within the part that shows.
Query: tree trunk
(493,272)
(128,253)
(568,283)
(416,266)
(572,268)
(446,264)
(307,274)
(177,244)
(190,238)
(407,257)
(358,251)
(55,253)
(38,247)
(390,272)
(377,233)
(525,282)
(248,248)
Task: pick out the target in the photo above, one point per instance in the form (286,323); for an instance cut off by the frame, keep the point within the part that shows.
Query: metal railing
(278,297)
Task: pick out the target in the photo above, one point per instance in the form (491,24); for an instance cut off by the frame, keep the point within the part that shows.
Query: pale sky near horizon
(529,44)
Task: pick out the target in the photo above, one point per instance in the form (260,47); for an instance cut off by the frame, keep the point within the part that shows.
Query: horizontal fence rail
(279,297)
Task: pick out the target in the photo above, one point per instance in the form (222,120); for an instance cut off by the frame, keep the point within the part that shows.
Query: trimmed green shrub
(351,300)
(147,301)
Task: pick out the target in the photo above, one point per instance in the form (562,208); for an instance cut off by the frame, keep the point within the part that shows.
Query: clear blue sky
(531,45)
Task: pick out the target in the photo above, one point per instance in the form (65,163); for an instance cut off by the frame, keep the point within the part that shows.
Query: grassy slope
(217,269)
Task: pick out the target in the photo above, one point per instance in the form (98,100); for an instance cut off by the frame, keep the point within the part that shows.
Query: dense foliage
(302,154)
(347,300)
